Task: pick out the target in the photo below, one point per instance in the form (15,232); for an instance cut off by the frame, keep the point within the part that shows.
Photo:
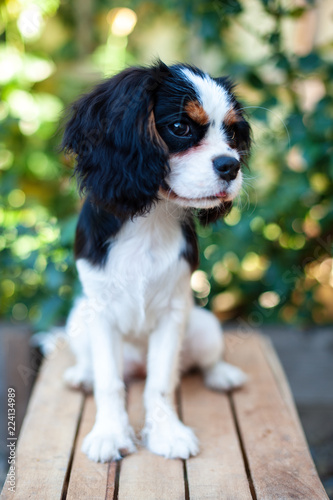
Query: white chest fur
(144,271)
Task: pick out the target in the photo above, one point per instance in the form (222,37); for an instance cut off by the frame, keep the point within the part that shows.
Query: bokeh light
(30,22)
(20,311)
(269,299)
(16,198)
(200,284)
(122,21)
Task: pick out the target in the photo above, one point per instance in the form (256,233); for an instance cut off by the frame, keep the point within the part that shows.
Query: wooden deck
(252,444)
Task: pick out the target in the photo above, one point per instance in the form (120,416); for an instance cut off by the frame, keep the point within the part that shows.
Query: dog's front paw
(78,377)
(105,445)
(224,377)
(171,439)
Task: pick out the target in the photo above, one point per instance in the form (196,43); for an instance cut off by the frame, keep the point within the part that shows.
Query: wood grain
(278,457)
(218,471)
(143,475)
(88,479)
(48,432)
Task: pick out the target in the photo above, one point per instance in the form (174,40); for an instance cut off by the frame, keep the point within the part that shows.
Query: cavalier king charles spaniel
(154,148)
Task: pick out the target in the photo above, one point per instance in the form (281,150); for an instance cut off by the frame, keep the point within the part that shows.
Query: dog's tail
(48,342)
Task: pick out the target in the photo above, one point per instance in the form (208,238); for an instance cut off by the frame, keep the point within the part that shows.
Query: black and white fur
(151,146)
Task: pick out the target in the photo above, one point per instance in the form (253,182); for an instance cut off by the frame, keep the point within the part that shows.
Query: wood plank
(47,435)
(279,460)
(88,479)
(280,377)
(18,367)
(143,475)
(218,471)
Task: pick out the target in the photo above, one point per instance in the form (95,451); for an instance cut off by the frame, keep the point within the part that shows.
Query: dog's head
(159,132)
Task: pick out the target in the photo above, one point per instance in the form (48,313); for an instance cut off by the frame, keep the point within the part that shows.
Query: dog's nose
(226,167)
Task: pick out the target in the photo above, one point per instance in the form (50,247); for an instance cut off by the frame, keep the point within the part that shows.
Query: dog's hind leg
(79,376)
(203,348)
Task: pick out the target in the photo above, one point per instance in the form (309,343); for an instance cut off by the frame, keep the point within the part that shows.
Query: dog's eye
(180,129)
(231,136)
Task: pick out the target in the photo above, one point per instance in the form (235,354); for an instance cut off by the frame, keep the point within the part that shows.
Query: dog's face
(160,132)
(207,137)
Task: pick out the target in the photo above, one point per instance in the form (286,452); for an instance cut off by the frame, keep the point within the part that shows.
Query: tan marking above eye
(196,112)
(231,117)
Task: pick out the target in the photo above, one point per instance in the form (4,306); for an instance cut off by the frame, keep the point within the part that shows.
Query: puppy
(154,147)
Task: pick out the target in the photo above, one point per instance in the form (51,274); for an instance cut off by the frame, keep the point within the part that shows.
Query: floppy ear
(121,160)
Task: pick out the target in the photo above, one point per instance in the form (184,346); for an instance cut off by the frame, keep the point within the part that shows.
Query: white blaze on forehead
(214,98)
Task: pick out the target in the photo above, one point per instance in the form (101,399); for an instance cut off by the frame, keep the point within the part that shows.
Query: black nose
(226,167)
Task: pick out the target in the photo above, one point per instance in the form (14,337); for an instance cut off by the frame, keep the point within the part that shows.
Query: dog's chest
(146,259)
(143,268)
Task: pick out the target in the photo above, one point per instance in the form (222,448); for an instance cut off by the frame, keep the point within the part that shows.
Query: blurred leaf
(310,63)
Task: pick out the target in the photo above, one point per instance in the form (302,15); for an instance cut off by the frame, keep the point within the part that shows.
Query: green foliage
(271,258)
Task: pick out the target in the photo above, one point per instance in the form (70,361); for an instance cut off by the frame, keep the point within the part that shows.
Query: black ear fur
(121,160)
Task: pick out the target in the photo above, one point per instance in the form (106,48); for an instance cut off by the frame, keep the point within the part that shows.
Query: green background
(270,260)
